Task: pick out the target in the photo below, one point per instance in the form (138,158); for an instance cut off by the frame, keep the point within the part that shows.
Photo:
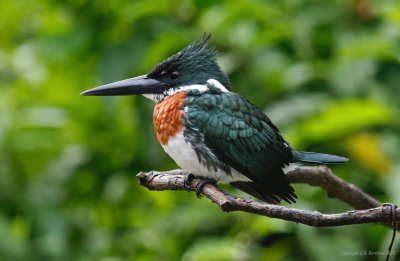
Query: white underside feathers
(185,156)
(290,167)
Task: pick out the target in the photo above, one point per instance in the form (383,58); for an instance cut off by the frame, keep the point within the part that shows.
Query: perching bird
(212,132)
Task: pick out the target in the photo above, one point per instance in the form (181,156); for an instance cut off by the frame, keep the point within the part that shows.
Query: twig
(394,220)
(336,187)
(316,176)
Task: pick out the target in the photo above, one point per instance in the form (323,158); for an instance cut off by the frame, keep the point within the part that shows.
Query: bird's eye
(163,73)
(174,75)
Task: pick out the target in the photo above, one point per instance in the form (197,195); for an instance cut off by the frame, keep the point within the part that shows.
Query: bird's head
(193,68)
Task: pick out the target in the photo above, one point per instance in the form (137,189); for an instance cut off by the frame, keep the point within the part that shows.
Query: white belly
(185,156)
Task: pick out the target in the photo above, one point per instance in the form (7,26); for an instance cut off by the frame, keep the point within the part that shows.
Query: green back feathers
(242,137)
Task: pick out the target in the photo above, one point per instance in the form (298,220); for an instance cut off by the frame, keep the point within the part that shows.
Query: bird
(212,132)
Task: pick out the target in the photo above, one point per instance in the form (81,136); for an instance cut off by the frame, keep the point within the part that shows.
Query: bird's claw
(201,185)
(188,179)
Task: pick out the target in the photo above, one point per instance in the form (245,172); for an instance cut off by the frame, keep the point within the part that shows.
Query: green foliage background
(326,72)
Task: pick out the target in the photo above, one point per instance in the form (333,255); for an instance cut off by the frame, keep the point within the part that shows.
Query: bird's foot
(188,179)
(201,185)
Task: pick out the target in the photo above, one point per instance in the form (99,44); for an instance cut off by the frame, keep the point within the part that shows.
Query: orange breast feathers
(167,117)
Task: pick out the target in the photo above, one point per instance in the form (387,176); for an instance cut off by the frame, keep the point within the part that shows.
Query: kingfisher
(212,132)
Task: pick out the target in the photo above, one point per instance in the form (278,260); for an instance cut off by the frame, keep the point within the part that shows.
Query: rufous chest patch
(167,117)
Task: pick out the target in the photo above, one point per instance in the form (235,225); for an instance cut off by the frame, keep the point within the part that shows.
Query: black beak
(133,86)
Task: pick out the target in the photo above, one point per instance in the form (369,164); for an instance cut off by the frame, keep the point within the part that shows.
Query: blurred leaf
(209,249)
(365,149)
(341,118)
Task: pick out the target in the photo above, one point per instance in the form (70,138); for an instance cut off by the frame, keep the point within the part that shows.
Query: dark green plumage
(320,158)
(241,136)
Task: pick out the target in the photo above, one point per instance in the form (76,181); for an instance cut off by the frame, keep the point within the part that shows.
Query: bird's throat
(167,117)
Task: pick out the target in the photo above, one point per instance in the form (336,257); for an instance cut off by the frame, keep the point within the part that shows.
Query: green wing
(241,136)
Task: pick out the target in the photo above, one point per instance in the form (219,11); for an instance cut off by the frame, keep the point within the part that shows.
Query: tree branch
(335,187)
(371,210)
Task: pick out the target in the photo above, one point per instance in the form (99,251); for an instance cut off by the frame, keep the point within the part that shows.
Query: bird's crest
(202,44)
(199,49)
(196,64)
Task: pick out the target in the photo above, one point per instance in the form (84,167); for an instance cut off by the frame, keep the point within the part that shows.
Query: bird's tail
(319,158)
